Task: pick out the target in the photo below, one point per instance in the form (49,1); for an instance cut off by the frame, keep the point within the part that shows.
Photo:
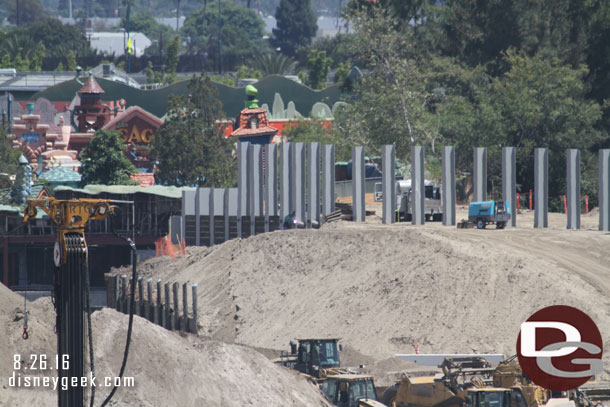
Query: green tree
(296,26)
(246,72)
(242,32)
(28,11)
(36,63)
(190,145)
(172,59)
(71,61)
(9,156)
(273,64)
(318,66)
(320,131)
(150,73)
(104,160)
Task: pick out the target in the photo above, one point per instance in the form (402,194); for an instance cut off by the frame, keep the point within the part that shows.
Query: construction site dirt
(380,288)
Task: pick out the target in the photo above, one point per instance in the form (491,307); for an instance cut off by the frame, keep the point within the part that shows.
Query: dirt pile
(384,288)
(167,369)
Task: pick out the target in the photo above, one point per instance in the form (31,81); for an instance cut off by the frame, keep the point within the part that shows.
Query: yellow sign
(129,49)
(137,137)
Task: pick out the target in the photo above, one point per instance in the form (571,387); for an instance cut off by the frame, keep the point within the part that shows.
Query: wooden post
(175,320)
(140,303)
(194,329)
(185,312)
(149,303)
(116,292)
(166,322)
(159,311)
(124,293)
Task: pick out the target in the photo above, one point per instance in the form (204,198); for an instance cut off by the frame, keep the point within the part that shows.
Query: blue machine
(489,212)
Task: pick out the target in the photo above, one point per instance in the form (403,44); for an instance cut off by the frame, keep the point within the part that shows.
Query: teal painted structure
(155,101)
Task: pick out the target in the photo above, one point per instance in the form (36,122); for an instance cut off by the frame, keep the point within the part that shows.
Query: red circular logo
(560,348)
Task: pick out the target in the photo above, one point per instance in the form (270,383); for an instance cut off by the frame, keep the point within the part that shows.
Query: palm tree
(273,64)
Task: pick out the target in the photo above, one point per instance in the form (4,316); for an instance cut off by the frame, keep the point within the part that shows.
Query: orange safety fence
(165,247)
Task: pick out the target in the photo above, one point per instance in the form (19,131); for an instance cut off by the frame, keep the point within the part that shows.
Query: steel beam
(509,182)
(541,188)
(573,188)
(448,188)
(299,181)
(270,183)
(358,207)
(313,153)
(328,179)
(417,195)
(243,196)
(479,174)
(286,196)
(604,190)
(388,184)
(255,183)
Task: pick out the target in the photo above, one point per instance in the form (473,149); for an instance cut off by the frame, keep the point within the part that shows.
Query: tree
(296,26)
(190,145)
(273,64)
(9,156)
(71,61)
(104,160)
(36,63)
(23,12)
(318,66)
(172,59)
(242,32)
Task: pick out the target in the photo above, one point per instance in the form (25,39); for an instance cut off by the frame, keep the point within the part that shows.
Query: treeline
(469,73)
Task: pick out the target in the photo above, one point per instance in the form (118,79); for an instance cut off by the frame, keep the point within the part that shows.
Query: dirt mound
(384,288)
(168,369)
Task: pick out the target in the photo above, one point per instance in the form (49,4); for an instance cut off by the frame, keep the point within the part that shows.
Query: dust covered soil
(168,369)
(384,288)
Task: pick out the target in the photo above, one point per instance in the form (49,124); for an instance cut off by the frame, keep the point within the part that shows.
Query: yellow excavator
(473,382)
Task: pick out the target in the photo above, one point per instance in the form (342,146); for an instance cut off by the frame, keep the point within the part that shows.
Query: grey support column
(313,152)
(255,180)
(604,190)
(299,181)
(573,188)
(417,195)
(448,187)
(358,209)
(225,212)
(479,174)
(509,182)
(541,188)
(211,210)
(328,179)
(270,183)
(388,162)
(285,181)
(198,216)
(243,201)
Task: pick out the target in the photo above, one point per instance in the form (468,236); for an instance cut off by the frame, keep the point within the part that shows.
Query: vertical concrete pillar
(286,204)
(314,183)
(358,191)
(225,212)
(604,190)
(448,187)
(573,188)
(204,210)
(270,183)
(541,188)
(328,179)
(388,163)
(255,181)
(509,182)
(212,213)
(299,180)
(197,216)
(243,196)
(417,195)
(479,174)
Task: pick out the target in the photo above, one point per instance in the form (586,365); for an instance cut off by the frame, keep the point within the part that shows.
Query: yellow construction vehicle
(350,390)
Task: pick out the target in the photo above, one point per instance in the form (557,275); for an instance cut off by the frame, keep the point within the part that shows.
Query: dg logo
(560,348)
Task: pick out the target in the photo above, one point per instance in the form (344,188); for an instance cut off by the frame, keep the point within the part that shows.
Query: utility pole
(128,38)
(177,15)
(219,41)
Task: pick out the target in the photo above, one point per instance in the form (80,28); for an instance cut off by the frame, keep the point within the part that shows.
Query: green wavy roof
(233,99)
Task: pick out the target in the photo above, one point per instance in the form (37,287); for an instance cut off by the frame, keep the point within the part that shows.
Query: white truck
(404,205)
